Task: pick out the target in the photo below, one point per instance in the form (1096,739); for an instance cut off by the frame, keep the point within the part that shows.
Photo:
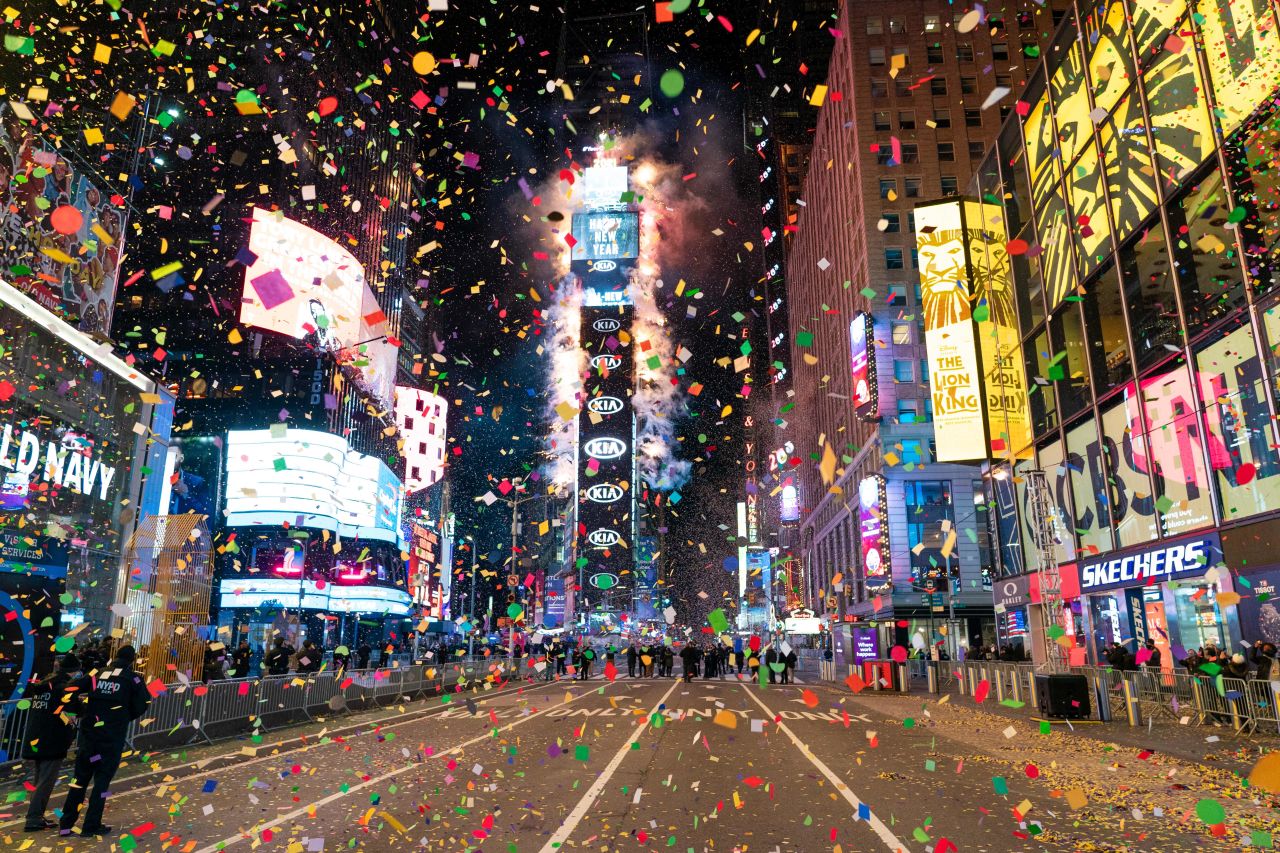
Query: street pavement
(664,765)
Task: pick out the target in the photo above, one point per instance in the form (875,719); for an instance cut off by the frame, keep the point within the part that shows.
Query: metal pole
(471,637)
(511,625)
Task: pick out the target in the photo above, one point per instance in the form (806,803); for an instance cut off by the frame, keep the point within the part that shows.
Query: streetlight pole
(471,635)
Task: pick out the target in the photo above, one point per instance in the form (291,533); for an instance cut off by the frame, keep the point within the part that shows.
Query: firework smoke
(567,365)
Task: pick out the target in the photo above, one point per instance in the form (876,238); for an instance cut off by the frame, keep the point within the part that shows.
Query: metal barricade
(177,709)
(1263,701)
(13,728)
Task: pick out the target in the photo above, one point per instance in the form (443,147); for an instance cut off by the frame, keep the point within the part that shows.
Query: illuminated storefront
(1137,186)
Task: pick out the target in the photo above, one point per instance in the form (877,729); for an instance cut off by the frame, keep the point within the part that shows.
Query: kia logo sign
(604,266)
(608,324)
(603,537)
(605,448)
(605,405)
(604,493)
(607,361)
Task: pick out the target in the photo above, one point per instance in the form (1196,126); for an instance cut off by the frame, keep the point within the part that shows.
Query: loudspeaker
(1064,696)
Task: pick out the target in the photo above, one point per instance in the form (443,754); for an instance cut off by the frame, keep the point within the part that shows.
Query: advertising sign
(72,274)
(303,284)
(555,601)
(873,532)
(862,365)
(954,371)
(604,184)
(601,235)
(310,595)
(1243,49)
(30,554)
(308,478)
(790,511)
(1165,561)
(64,459)
(866,644)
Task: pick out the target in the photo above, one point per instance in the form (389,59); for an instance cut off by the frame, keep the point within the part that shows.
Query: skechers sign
(607,325)
(605,447)
(605,405)
(1168,561)
(604,493)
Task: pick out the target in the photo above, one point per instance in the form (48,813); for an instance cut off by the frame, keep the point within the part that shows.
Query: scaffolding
(1040,515)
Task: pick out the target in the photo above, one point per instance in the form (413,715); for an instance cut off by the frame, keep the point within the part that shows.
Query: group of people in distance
(581,658)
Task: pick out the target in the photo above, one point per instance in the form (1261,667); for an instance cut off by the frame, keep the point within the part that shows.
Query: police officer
(51,726)
(116,697)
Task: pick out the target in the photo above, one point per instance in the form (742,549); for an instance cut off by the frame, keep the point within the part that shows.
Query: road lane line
(575,817)
(377,780)
(877,825)
(205,766)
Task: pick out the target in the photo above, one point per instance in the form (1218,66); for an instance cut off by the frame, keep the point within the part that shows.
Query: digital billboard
(423,421)
(554,609)
(303,284)
(954,373)
(601,235)
(604,184)
(312,595)
(873,532)
(862,364)
(308,478)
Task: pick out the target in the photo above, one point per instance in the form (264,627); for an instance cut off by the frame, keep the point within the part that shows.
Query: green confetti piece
(1211,812)
(804,339)
(1000,785)
(581,752)
(671,83)
(1045,727)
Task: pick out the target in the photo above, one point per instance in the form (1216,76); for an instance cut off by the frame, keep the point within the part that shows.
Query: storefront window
(981,533)
(1013,559)
(1200,621)
(1088,488)
(1133,508)
(1070,373)
(1149,295)
(1108,620)
(1174,444)
(1126,159)
(1105,333)
(1241,448)
(1206,256)
(929,509)
(1056,474)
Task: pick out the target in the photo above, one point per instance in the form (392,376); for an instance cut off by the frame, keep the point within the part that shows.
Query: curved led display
(605,447)
(605,405)
(603,537)
(259,592)
(604,493)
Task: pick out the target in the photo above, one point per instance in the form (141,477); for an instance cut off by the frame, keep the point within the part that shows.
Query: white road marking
(588,799)
(376,780)
(878,826)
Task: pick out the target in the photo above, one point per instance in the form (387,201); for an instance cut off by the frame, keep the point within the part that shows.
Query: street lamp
(515,500)
(471,611)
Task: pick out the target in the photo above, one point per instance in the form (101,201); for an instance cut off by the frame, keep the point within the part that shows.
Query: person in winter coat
(116,697)
(51,726)
(770,658)
(362,656)
(241,659)
(1237,667)
(1264,656)
(668,661)
(790,660)
(1154,657)
(632,657)
(277,660)
(689,658)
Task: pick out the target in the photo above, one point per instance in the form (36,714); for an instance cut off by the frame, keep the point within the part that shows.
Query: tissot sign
(1166,561)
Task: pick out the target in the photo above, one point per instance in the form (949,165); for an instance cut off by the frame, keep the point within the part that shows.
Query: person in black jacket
(632,657)
(241,660)
(51,726)
(362,656)
(277,660)
(115,697)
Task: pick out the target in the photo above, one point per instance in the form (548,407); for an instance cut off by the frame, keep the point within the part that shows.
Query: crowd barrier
(1136,697)
(217,710)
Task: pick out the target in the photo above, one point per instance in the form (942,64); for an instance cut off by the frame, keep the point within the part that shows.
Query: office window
(906,119)
(887,186)
(946,152)
(976,150)
(933,54)
(908,411)
(964,52)
(408,424)
(1026,21)
(893,259)
(1005,80)
(928,418)
(883,155)
(968,84)
(893,222)
(912,187)
(880,119)
(932,23)
(897,294)
(912,452)
(911,229)
(879,88)
(1058,15)
(949,185)
(904,53)
(924,368)
(938,86)
(896,26)
(910,153)
(942,118)
(1005,109)
(1000,51)
(902,86)
(972,117)
(876,55)
(900,332)
(915,258)
(875,26)
(903,371)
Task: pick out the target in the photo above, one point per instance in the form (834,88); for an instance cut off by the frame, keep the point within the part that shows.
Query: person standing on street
(770,658)
(789,659)
(689,658)
(362,656)
(116,697)
(1153,656)
(631,660)
(277,660)
(51,726)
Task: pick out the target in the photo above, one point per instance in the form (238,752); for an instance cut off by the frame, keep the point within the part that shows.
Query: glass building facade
(1137,182)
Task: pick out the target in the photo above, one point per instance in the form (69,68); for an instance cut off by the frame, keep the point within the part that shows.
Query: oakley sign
(606,362)
(603,537)
(605,447)
(605,405)
(604,493)
(608,324)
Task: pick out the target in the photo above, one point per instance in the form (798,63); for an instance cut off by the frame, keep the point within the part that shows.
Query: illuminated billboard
(862,365)
(873,533)
(954,373)
(604,184)
(303,284)
(307,478)
(1243,50)
(311,595)
(601,235)
(422,418)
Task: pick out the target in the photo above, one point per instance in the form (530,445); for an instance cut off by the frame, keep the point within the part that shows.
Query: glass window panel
(1041,144)
(1152,22)
(1256,181)
(1016,191)
(1055,473)
(1091,521)
(1132,505)
(1089,210)
(1071,102)
(1055,260)
(1180,121)
(1105,333)
(1205,253)
(1271,347)
(1241,449)
(1243,53)
(1149,295)
(1111,68)
(1069,370)
(1028,287)
(1173,442)
(929,509)
(1127,161)
(1044,405)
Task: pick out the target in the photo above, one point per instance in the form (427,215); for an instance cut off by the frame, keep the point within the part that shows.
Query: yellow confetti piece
(122,105)
(752,36)
(819,96)
(93,136)
(726,718)
(57,255)
(397,825)
(101,234)
(102,53)
(167,269)
(234,336)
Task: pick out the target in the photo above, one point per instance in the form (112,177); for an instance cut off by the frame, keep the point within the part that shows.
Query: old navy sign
(1166,561)
(54,463)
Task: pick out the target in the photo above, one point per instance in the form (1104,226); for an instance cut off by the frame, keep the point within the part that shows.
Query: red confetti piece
(7,390)
(984,688)
(1017,246)
(1245,473)
(810,698)
(328,105)
(66,220)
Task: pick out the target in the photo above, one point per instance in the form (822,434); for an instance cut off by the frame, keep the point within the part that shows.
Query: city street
(656,764)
